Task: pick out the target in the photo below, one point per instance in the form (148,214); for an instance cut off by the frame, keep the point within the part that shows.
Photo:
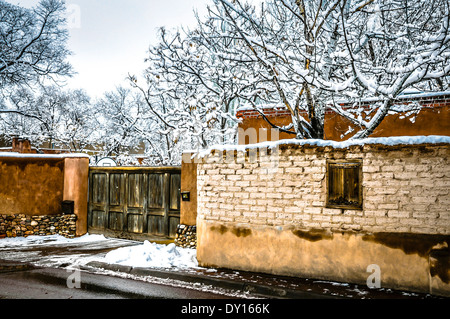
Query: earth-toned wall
(271,215)
(431,119)
(36,185)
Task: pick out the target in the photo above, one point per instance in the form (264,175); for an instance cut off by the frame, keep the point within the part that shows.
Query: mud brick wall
(20,225)
(405,189)
(270,214)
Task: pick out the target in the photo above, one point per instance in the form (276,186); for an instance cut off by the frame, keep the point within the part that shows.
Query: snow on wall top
(408,95)
(41,156)
(393,140)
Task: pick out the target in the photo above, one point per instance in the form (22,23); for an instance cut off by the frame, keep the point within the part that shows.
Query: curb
(242,286)
(10,266)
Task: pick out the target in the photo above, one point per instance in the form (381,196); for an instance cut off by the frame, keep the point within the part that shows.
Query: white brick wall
(405,189)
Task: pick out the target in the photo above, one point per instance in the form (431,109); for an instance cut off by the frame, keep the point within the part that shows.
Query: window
(344,184)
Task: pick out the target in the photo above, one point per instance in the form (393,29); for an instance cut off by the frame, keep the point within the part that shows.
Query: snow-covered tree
(400,45)
(50,117)
(33,54)
(117,115)
(126,123)
(312,55)
(188,90)
(32,43)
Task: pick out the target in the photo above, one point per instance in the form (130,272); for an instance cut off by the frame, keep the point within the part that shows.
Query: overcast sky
(109,38)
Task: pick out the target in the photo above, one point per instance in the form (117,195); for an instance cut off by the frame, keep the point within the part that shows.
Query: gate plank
(155,189)
(116,189)
(115,221)
(136,190)
(135,223)
(175,184)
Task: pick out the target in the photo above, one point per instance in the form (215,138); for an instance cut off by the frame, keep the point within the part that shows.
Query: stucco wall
(432,119)
(76,174)
(188,209)
(37,185)
(32,186)
(269,214)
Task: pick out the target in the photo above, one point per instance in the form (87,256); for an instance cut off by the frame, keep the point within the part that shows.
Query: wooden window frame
(343,164)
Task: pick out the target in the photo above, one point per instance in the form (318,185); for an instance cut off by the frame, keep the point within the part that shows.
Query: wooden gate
(134,202)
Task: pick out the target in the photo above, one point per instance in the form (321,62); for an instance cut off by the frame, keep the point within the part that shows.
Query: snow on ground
(144,254)
(47,240)
(153,255)
(58,251)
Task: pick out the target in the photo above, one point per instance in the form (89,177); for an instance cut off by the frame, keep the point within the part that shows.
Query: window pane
(344,185)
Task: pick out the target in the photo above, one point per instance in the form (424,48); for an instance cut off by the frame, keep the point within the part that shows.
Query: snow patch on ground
(153,255)
(47,240)
(145,254)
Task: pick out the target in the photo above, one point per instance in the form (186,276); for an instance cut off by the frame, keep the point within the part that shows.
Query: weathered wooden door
(135,203)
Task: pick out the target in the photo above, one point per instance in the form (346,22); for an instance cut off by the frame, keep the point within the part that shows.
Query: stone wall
(19,225)
(186,236)
(270,214)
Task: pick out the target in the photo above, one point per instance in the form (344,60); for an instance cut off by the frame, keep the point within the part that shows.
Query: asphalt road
(37,269)
(55,283)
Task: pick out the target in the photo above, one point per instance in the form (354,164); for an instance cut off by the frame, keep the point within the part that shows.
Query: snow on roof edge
(390,141)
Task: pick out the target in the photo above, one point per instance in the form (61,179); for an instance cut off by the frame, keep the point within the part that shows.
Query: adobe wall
(76,175)
(432,119)
(188,208)
(268,214)
(31,185)
(36,185)
(187,230)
